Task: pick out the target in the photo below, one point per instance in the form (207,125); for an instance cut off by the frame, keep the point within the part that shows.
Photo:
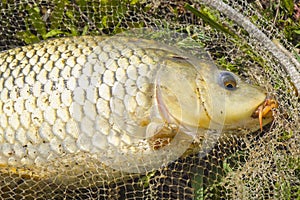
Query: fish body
(111,98)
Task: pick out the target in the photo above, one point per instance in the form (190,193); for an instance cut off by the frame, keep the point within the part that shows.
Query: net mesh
(260,165)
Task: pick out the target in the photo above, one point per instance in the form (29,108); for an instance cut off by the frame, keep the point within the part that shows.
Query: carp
(124,103)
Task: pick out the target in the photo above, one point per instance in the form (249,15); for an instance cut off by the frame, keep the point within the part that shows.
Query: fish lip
(267,105)
(264,110)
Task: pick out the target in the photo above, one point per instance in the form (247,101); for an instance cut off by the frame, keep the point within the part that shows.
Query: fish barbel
(109,95)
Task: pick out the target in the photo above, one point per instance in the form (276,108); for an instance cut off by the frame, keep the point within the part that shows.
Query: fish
(73,105)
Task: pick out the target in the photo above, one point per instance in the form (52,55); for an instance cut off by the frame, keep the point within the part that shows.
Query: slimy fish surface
(114,100)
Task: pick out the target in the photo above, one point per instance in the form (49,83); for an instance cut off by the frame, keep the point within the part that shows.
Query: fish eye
(227,81)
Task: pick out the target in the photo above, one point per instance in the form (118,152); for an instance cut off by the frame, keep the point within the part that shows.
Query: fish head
(236,104)
(209,98)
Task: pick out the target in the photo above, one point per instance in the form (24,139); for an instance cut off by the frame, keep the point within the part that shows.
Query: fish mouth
(264,110)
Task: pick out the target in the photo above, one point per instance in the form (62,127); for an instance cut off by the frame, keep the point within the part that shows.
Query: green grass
(283,15)
(75,21)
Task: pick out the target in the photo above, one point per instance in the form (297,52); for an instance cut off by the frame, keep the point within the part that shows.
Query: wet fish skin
(89,94)
(53,92)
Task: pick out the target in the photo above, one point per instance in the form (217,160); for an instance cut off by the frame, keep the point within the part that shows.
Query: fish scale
(57,97)
(124,103)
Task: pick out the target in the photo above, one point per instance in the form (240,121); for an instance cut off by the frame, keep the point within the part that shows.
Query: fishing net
(256,165)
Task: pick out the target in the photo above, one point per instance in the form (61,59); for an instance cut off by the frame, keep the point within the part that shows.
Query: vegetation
(74,18)
(285,15)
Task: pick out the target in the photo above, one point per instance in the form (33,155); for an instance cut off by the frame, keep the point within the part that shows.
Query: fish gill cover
(255,165)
